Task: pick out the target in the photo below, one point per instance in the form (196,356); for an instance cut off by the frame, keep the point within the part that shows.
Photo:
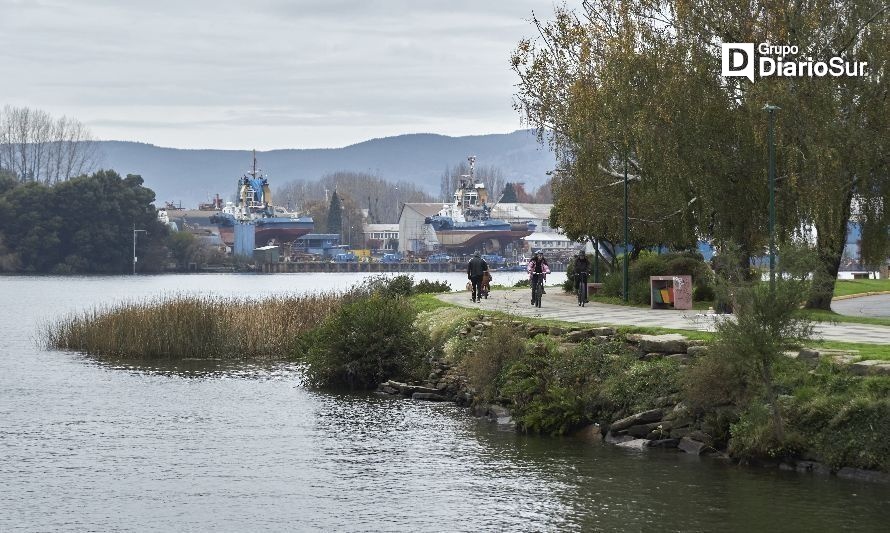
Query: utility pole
(771,109)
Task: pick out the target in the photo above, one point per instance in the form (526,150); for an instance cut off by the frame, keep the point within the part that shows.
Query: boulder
(863,475)
(602,331)
(669,343)
(664,443)
(388,390)
(646,417)
(679,433)
(641,430)
(696,351)
(808,354)
(592,433)
(692,446)
(567,347)
(428,396)
(634,444)
(578,335)
(812,466)
(701,436)
(871,368)
(612,438)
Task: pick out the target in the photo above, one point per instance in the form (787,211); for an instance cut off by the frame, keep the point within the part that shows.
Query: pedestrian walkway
(560,306)
(877,306)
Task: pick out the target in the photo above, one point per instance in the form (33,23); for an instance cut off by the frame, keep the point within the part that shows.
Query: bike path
(557,305)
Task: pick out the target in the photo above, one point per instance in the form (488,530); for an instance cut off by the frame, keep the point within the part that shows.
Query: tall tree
(37,147)
(335,215)
(509,195)
(638,85)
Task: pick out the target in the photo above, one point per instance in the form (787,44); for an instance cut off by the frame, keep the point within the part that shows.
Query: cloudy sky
(266,73)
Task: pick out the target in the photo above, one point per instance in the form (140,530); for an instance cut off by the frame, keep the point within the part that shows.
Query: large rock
(428,396)
(669,343)
(664,443)
(871,368)
(592,433)
(612,438)
(635,444)
(640,431)
(692,446)
(646,417)
(863,475)
(696,351)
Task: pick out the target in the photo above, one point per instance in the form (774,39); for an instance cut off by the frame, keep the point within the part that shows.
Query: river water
(88,445)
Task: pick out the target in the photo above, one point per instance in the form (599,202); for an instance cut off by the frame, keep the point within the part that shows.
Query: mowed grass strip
(193,327)
(848,287)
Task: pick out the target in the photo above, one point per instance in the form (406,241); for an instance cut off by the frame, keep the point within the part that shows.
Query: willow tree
(640,82)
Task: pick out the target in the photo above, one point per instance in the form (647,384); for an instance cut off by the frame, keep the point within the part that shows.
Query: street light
(625,230)
(771,109)
(135,231)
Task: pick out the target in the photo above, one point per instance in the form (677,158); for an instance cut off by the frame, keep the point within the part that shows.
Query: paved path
(560,306)
(873,306)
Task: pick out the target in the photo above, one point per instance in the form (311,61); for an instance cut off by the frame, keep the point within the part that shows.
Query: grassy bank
(860,286)
(556,380)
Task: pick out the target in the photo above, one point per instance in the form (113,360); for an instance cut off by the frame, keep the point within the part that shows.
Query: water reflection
(209,445)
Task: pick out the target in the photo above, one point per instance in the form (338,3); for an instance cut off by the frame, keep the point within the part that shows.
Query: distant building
(550,241)
(520,212)
(381,236)
(325,244)
(414,234)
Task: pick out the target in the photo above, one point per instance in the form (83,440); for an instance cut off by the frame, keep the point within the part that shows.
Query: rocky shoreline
(668,426)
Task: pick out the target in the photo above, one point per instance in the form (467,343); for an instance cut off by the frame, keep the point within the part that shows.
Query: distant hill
(191,176)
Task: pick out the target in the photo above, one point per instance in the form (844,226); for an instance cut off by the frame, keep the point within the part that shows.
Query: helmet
(476,253)
(581,252)
(539,252)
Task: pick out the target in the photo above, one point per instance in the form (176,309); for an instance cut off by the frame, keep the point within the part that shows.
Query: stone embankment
(671,425)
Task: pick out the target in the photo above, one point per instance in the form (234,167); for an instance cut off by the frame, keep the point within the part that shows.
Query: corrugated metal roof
(516,211)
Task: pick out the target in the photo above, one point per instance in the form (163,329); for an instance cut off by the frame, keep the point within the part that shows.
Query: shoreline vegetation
(742,396)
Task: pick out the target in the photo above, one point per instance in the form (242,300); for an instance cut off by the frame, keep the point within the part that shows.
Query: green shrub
(703,293)
(639,384)
(754,436)
(523,283)
(542,400)
(386,286)
(427,287)
(484,361)
(366,342)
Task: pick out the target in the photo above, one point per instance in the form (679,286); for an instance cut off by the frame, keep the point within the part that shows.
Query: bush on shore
(365,342)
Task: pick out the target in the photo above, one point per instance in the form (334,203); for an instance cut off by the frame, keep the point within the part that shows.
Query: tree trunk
(830,239)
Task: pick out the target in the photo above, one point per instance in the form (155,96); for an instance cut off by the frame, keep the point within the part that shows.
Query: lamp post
(771,109)
(625,231)
(135,231)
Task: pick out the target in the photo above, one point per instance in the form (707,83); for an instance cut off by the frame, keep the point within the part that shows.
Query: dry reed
(193,327)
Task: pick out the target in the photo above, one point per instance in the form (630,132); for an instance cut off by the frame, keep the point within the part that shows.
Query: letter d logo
(738,60)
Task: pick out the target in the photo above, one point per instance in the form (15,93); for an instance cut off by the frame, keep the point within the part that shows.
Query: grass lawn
(860,286)
(866,351)
(830,316)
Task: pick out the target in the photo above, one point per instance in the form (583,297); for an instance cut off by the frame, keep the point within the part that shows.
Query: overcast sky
(266,73)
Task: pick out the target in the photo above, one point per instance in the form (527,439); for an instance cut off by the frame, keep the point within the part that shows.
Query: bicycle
(537,288)
(581,287)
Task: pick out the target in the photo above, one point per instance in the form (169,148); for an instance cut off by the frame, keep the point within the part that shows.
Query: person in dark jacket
(476,268)
(582,269)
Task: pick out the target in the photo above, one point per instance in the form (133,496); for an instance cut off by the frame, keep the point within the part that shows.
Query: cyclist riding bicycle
(537,271)
(582,271)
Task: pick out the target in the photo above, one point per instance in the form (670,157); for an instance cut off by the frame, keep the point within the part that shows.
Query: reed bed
(181,327)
